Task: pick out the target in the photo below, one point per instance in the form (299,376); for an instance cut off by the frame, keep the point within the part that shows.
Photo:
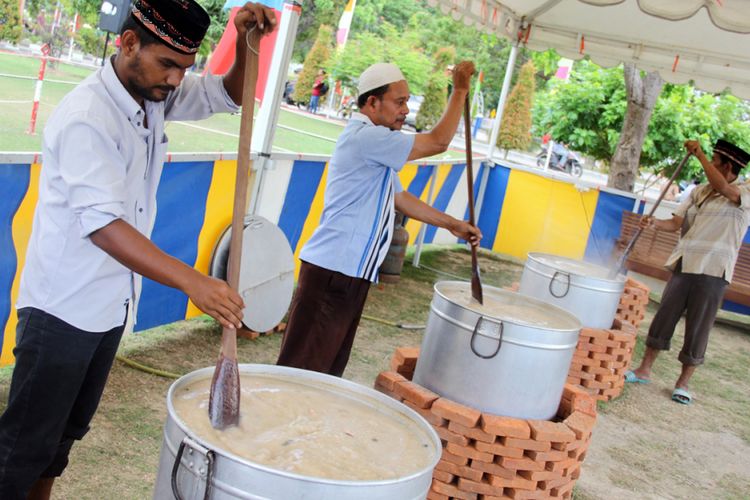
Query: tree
(515,129)
(316,60)
(588,112)
(219,18)
(370,14)
(368,48)
(10,21)
(642,92)
(585,112)
(490,54)
(435,96)
(315,14)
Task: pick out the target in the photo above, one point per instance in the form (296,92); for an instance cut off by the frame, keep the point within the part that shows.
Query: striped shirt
(356,226)
(713,230)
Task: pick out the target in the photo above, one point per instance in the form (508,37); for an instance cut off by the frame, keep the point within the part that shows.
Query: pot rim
(558,311)
(329,380)
(535,257)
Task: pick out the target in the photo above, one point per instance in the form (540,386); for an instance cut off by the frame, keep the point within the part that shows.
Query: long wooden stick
(621,261)
(224,399)
(476,282)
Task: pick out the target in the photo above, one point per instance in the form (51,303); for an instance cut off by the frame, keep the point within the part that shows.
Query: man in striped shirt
(344,254)
(714,220)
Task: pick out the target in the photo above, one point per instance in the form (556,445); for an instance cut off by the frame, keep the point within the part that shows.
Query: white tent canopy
(706,41)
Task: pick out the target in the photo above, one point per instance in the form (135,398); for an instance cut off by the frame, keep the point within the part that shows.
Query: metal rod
(621,261)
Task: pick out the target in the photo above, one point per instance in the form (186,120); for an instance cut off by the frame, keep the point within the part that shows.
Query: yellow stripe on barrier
(21,230)
(217,218)
(312,220)
(544,215)
(407,174)
(412,226)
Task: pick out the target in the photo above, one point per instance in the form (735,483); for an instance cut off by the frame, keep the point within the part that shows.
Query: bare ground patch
(644,445)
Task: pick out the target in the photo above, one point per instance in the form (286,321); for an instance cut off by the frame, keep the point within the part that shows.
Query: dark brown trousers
(323,320)
(699,296)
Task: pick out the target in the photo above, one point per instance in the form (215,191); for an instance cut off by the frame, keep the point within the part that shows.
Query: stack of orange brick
(633,303)
(601,359)
(490,457)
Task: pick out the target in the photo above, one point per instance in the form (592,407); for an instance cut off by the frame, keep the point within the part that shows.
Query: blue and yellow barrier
(522,211)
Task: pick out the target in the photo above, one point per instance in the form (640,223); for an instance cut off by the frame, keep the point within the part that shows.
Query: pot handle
(209,460)
(567,284)
(474,335)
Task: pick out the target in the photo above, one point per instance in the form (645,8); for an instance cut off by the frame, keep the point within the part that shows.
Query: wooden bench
(653,248)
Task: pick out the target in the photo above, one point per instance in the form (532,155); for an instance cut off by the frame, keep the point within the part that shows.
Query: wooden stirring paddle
(476,282)
(224,399)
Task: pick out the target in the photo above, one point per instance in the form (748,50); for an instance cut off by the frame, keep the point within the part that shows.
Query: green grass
(184,137)
(218,133)
(643,446)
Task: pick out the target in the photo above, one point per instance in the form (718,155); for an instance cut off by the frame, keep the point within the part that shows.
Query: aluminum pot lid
(266,279)
(574,266)
(510,307)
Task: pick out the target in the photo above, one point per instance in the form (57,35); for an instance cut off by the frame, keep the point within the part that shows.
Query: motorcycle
(572,166)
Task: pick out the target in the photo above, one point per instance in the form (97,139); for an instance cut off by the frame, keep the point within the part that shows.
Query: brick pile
(633,303)
(488,457)
(601,358)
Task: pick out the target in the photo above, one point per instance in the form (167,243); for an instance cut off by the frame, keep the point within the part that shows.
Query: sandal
(681,396)
(632,378)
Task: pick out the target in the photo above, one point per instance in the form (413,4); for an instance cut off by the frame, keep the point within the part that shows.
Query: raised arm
(439,138)
(716,178)
(249,14)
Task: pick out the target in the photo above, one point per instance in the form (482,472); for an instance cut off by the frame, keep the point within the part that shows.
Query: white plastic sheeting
(706,41)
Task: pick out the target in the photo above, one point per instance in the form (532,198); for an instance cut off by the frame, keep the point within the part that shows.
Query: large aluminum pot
(191,468)
(582,288)
(509,357)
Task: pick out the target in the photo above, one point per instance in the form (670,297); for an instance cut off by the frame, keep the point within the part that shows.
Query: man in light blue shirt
(344,254)
(103,148)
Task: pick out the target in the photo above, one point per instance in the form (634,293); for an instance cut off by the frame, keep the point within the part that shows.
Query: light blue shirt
(358,208)
(101,164)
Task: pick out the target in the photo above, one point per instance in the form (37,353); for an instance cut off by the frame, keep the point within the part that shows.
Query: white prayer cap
(377,75)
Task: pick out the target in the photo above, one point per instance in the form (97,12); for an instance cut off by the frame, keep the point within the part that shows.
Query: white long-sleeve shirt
(101,164)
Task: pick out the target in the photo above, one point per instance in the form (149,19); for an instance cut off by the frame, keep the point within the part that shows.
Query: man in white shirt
(104,147)
(344,254)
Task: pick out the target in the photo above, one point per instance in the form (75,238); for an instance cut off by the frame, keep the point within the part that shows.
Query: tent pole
(423,226)
(486,166)
(268,115)
(503,96)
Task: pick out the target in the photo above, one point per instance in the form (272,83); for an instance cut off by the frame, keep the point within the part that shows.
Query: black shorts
(699,296)
(57,383)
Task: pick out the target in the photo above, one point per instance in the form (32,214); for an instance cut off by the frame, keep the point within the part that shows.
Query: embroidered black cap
(737,155)
(179,24)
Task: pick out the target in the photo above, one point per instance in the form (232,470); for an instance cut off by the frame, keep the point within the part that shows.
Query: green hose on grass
(147,369)
(403,326)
